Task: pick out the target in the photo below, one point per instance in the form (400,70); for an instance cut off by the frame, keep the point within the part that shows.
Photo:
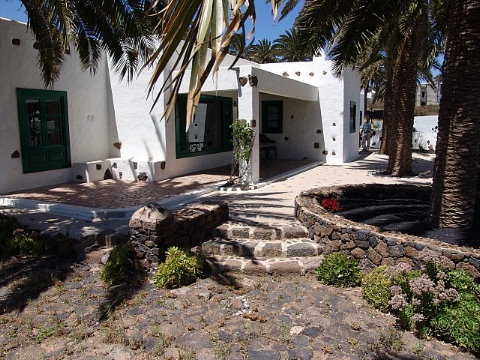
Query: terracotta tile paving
(118,193)
(112,194)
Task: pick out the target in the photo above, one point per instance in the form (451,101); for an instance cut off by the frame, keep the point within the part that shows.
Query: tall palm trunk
(388,102)
(400,129)
(458,143)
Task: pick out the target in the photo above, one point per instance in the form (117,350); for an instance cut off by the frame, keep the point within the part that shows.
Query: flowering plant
(437,300)
(332,205)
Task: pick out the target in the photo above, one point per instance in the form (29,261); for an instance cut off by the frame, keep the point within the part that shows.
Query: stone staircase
(260,248)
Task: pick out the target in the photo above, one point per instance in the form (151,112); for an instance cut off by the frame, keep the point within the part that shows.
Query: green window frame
(216,123)
(43,125)
(353,116)
(272,117)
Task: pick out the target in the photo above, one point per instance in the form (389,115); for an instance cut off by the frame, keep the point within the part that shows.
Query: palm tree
(289,47)
(458,144)
(400,30)
(122,28)
(262,52)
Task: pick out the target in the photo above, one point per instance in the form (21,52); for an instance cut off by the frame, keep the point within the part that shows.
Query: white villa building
(92,127)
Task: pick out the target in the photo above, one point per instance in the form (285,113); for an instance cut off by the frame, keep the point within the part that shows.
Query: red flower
(332,205)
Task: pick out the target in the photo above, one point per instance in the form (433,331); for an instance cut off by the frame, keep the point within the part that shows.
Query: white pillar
(248,109)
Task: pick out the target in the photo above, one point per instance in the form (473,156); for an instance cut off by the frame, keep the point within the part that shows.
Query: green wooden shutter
(43,124)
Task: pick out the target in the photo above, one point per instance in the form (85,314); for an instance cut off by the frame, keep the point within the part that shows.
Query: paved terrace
(274,204)
(111,194)
(270,205)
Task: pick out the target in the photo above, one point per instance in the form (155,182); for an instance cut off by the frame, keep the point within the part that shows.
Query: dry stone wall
(369,244)
(153,229)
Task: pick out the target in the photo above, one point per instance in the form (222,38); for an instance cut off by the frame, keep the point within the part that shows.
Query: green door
(43,129)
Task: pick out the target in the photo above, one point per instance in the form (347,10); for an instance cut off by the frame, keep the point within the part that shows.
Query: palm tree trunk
(458,143)
(387,106)
(400,130)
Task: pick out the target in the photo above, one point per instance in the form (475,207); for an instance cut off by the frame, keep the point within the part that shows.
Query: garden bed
(376,244)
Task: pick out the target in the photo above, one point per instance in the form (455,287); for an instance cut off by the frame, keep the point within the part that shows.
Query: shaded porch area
(112,194)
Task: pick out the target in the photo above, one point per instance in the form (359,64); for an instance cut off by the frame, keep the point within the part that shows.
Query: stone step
(259,266)
(239,230)
(251,248)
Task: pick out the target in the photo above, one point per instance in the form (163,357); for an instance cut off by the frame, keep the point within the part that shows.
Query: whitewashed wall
(334,92)
(87,108)
(141,132)
(301,120)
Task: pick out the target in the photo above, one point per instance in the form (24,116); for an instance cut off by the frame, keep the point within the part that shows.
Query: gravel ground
(63,311)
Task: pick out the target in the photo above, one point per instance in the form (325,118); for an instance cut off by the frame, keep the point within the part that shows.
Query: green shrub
(178,269)
(339,269)
(25,244)
(463,281)
(432,301)
(118,266)
(376,288)
(460,322)
(17,240)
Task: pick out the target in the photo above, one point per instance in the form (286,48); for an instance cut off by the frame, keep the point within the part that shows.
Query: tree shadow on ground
(119,294)
(226,279)
(25,278)
(422,166)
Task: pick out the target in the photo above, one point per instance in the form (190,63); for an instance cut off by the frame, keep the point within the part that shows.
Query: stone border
(370,244)
(153,229)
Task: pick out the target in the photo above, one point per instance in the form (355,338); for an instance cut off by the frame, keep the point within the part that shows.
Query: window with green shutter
(210,131)
(44,136)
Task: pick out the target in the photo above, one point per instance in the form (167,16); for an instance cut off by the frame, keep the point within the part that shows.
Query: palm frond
(49,39)
(121,27)
(210,25)
(286,6)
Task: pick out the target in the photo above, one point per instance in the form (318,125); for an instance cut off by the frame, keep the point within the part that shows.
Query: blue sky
(12,9)
(265,27)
